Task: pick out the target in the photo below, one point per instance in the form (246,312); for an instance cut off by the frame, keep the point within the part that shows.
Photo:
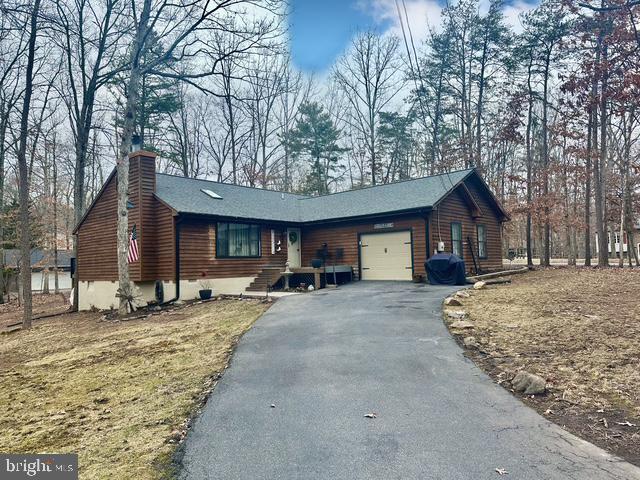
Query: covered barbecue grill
(445,269)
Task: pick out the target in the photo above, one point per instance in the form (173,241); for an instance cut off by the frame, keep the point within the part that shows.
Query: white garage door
(386,256)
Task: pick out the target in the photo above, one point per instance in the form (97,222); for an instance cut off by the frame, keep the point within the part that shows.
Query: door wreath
(293,237)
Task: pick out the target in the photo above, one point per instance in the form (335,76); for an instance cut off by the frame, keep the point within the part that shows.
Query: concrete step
(267,277)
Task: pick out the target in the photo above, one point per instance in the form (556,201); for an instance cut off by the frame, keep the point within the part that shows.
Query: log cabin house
(235,237)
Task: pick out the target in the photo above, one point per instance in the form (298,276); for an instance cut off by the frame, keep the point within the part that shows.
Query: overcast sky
(321,29)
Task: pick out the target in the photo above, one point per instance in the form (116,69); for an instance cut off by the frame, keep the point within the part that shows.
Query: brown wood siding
(454,208)
(162,245)
(345,235)
(97,256)
(198,253)
(97,244)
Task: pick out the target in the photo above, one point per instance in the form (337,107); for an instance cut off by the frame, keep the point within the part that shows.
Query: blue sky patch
(320,30)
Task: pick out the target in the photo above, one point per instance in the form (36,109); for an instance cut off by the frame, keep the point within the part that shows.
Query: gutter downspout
(177,265)
(427,222)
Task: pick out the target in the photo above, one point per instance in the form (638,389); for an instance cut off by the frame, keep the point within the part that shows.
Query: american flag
(133,245)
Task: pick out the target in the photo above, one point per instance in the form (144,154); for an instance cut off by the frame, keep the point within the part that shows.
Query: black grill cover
(445,269)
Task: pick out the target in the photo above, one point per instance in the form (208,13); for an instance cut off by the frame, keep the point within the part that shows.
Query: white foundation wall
(221,286)
(101,294)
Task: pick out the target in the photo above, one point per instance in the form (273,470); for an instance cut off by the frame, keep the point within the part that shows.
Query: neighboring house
(41,259)
(613,242)
(191,230)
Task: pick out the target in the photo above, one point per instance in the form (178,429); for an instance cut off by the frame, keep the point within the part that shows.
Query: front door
(293,247)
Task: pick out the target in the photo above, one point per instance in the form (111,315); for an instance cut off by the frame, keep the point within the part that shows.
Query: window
(482,241)
(456,239)
(237,240)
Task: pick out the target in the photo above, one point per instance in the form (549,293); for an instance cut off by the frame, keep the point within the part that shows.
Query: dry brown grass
(580,330)
(114,392)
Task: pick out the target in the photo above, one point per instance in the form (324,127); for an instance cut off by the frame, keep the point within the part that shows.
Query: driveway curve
(326,359)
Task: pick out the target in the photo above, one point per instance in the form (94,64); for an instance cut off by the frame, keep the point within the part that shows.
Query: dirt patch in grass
(579,328)
(117,393)
(11,311)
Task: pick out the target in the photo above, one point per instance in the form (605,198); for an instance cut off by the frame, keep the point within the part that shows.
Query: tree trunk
(571,259)
(626,204)
(587,190)
(372,146)
(226,77)
(45,280)
(622,233)
(3,133)
(25,233)
(125,292)
(632,244)
(481,82)
(79,198)
(435,140)
(55,225)
(546,241)
(603,258)
(529,164)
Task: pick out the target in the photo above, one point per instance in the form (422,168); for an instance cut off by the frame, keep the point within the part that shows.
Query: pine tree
(314,138)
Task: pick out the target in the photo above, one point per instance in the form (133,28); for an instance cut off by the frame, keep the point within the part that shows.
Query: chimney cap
(143,153)
(135,143)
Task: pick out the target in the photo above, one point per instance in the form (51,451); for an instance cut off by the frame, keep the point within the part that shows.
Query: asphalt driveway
(327,359)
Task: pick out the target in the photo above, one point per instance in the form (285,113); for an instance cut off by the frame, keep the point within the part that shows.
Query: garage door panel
(386,256)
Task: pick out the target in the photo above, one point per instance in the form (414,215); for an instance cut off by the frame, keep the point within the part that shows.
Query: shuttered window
(482,241)
(237,240)
(456,239)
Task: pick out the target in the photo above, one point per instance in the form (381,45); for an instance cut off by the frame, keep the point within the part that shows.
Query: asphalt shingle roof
(39,257)
(185,195)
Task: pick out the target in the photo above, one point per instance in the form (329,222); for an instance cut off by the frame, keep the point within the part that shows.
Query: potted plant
(205,290)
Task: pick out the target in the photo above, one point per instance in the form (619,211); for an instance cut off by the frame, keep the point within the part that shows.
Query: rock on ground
(479,285)
(528,383)
(456,314)
(462,324)
(470,342)
(452,302)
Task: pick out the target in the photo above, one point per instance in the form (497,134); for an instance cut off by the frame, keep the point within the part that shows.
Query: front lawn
(578,328)
(116,393)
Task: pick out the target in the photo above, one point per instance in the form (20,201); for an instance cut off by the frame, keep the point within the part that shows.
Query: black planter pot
(205,294)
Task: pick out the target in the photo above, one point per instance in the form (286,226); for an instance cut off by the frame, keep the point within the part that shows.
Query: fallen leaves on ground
(11,311)
(578,328)
(120,394)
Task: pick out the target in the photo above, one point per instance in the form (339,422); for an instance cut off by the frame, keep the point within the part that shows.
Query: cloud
(512,14)
(426,14)
(422,14)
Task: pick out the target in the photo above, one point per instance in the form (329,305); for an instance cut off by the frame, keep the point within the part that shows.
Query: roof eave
(406,211)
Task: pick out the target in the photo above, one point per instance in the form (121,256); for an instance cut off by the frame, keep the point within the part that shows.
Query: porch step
(267,277)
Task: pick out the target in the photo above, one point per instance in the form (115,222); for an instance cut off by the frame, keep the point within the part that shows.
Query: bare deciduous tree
(368,74)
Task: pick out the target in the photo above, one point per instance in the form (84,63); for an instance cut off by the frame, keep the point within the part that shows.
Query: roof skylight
(211,193)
